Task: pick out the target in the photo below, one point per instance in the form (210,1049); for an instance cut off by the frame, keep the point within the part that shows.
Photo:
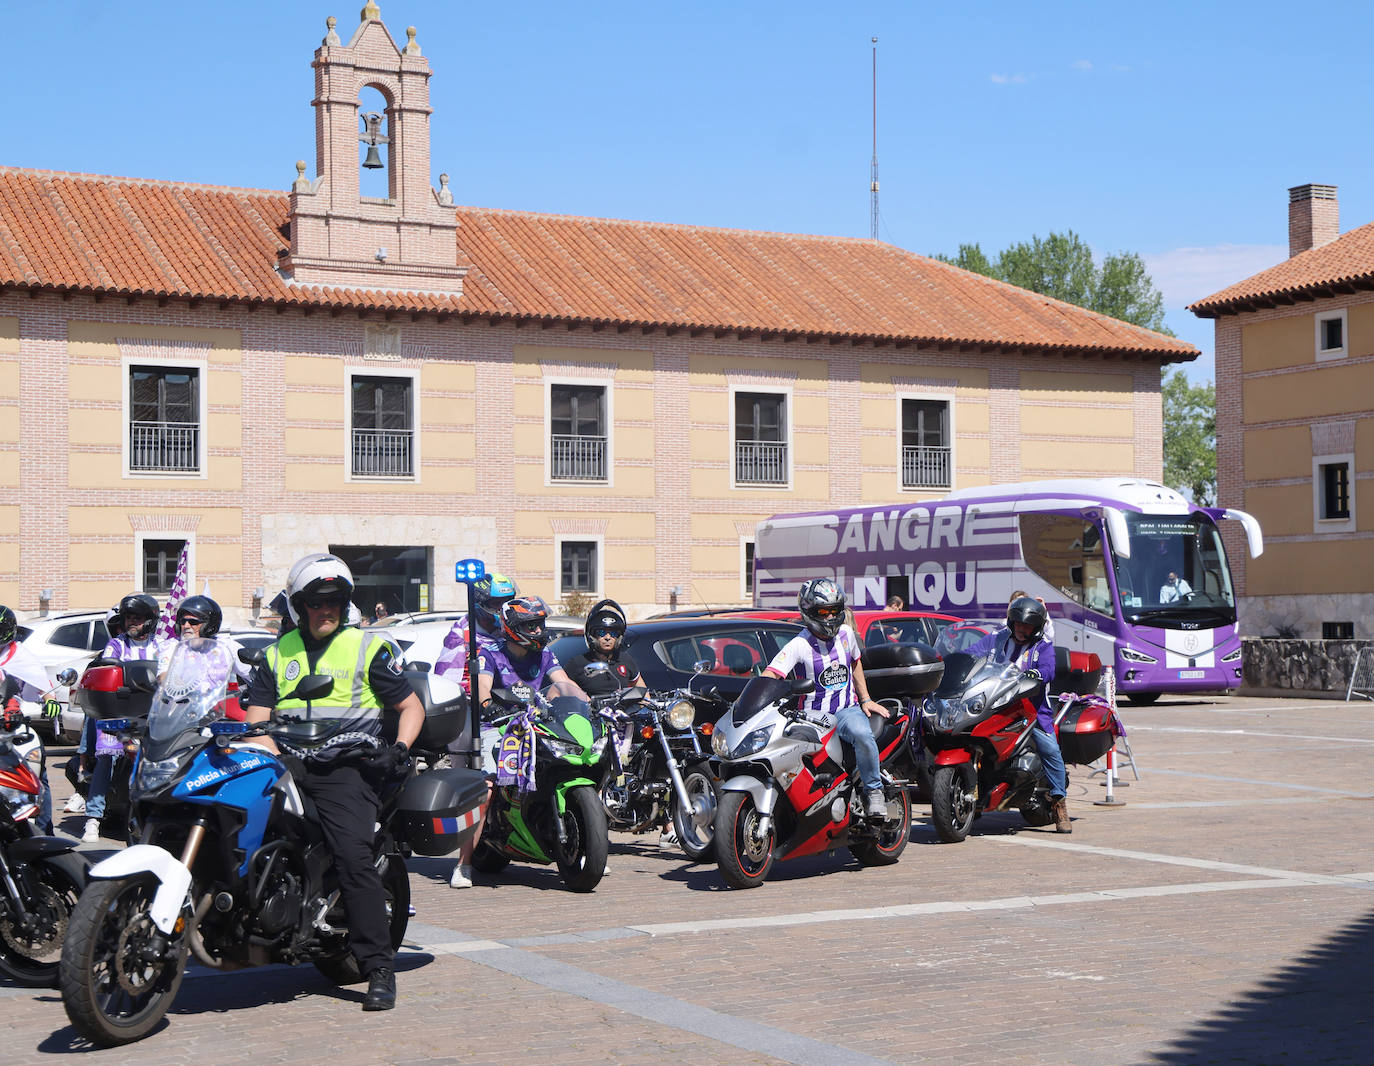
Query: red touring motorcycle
(975,731)
(789,785)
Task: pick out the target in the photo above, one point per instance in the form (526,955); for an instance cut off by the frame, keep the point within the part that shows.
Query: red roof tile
(1344,265)
(92,234)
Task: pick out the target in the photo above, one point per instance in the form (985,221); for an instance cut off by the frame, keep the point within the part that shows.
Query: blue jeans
(1053,761)
(853,726)
(100,784)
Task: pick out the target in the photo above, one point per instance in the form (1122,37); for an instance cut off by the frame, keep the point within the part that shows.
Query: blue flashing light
(113,725)
(222,729)
(469,570)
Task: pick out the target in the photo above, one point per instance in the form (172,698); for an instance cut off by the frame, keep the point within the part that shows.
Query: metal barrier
(1355,673)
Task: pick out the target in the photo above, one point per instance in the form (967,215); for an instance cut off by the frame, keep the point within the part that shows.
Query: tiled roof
(1344,265)
(90,234)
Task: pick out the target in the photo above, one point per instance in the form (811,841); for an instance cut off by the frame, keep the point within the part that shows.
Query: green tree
(1190,438)
(1063,266)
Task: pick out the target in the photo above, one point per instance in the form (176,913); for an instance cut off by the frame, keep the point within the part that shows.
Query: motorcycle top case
(1079,672)
(437,810)
(118,689)
(898,670)
(446,717)
(1086,732)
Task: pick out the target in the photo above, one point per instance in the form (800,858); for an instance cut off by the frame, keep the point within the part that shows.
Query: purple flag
(166,623)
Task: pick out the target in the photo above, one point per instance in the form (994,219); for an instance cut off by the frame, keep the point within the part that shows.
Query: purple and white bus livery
(1100,552)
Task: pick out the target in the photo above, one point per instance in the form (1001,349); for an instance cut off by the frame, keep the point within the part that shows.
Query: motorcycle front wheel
(953,800)
(695,826)
(119,975)
(582,856)
(342,967)
(30,953)
(744,857)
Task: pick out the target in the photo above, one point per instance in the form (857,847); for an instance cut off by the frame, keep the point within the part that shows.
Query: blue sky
(1172,129)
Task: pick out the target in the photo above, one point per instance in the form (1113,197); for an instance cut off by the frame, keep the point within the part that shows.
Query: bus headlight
(1133,656)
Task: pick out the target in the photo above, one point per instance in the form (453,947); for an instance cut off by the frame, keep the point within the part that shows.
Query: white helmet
(317,575)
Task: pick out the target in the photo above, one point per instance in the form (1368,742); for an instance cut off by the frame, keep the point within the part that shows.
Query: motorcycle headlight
(15,798)
(755,741)
(720,746)
(564,749)
(599,745)
(152,775)
(681,715)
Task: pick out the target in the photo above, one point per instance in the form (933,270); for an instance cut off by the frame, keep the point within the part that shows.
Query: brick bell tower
(406,240)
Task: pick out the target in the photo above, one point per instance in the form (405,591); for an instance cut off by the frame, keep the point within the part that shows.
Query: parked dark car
(666,649)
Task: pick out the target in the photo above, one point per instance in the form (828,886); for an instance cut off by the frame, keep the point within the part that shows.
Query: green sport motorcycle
(554,755)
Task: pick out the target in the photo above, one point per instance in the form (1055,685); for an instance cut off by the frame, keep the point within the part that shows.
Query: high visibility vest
(347,659)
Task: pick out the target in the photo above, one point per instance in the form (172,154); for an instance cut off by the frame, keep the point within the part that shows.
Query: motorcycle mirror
(313,687)
(595,669)
(67,678)
(802,685)
(251,656)
(702,665)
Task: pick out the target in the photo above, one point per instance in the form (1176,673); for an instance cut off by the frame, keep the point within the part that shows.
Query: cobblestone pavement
(1224,914)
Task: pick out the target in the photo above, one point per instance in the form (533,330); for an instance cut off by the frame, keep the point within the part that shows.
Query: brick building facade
(595,406)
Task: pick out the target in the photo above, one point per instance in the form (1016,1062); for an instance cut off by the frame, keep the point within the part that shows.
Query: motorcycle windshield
(959,667)
(193,691)
(758,693)
(992,681)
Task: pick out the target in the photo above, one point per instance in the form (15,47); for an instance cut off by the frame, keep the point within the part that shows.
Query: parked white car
(62,641)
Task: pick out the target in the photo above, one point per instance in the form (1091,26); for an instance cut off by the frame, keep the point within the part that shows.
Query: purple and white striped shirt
(829,663)
(125,649)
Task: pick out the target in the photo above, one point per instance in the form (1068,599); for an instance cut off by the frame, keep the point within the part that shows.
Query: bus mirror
(1116,530)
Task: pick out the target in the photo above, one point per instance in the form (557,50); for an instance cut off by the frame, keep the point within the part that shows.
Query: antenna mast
(873,173)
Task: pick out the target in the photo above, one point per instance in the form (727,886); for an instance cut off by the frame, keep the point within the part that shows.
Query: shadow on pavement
(1318,1008)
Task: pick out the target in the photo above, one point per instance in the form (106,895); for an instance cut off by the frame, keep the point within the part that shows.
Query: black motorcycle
(40,876)
(665,770)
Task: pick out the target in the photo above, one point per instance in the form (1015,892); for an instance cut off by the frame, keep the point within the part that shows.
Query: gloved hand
(51,708)
(12,717)
(1032,674)
(393,761)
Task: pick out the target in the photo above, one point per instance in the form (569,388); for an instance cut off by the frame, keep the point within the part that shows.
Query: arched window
(374,181)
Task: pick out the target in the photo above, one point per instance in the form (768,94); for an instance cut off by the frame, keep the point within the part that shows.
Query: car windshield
(192,692)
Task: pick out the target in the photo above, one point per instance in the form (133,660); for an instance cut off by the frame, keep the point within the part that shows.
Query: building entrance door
(397,576)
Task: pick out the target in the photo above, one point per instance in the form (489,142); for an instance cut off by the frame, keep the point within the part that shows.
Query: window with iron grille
(578,566)
(383,435)
(578,433)
(926,445)
(1338,631)
(1335,496)
(748,569)
(160,559)
(761,438)
(164,420)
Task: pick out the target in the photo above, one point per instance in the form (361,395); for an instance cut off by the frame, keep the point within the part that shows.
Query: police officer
(367,679)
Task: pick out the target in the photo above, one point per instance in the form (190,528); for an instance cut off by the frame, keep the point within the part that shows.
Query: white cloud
(1009,79)
(1083,64)
(1185,275)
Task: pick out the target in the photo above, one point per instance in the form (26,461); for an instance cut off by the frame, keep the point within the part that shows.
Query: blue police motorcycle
(230,868)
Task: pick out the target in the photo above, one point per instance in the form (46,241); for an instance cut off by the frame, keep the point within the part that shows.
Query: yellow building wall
(1327,567)
(1327,390)
(1280,342)
(1280,452)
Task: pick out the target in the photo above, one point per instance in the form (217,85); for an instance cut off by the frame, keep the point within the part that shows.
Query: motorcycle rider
(137,641)
(828,652)
(200,616)
(24,677)
(1023,641)
(489,595)
(346,788)
(520,657)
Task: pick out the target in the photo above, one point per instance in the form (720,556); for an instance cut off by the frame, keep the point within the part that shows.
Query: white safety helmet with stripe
(318,575)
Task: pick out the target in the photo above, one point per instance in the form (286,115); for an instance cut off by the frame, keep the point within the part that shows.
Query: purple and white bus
(1130,569)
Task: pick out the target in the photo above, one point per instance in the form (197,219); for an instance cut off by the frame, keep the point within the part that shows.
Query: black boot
(381,989)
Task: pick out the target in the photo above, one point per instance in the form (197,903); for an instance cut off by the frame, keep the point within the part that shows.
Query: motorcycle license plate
(1185,675)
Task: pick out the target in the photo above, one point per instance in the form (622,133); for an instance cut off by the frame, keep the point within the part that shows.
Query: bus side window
(1053,548)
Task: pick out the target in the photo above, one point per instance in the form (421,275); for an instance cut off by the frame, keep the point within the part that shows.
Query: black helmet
(9,626)
(822,607)
(114,621)
(606,614)
(134,606)
(200,609)
(489,595)
(523,620)
(1028,611)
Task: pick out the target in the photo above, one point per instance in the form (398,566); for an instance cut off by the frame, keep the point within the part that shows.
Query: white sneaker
(667,840)
(461,876)
(607,870)
(877,804)
(76,804)
(92,833)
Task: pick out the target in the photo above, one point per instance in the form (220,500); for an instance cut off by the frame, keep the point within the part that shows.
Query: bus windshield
(1176,572)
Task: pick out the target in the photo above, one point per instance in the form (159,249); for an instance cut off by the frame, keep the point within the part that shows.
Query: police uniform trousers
(346,800)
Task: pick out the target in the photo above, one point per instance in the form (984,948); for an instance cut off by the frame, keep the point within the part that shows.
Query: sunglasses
(315,603)
(830,612)
(606,631)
